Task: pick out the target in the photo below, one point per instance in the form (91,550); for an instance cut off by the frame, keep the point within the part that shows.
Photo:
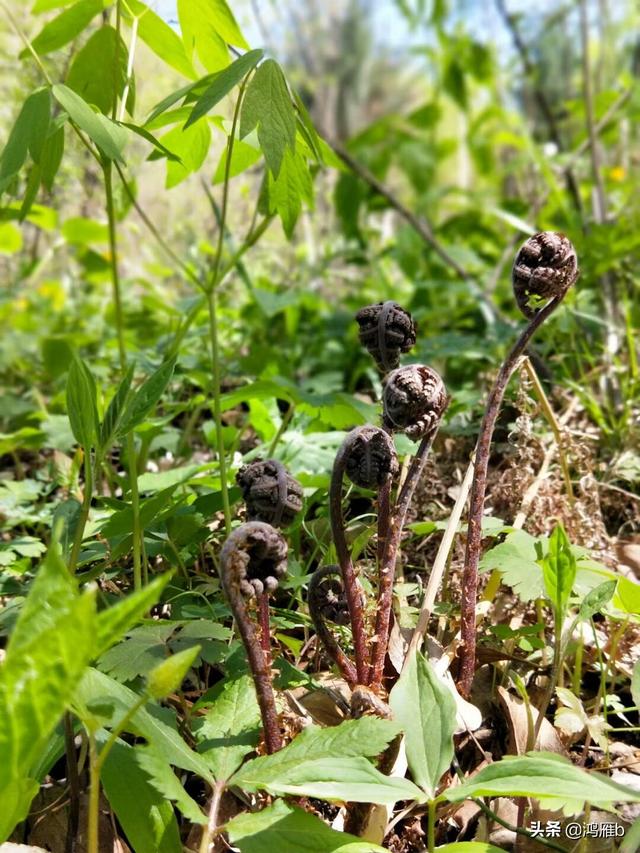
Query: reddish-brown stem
(349,578)
(263,619)
(478,489)
(331,645)
(388,562)
(384,512)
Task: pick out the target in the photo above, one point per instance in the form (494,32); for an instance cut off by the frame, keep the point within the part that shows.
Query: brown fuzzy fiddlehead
(270,492)
(253,559)
(414,399)
(371,458)
(387,331)
(545,268)
(328,603)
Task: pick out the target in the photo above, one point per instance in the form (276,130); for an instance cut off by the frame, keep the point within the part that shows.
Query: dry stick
(474,534)
(349,578)
(388,564)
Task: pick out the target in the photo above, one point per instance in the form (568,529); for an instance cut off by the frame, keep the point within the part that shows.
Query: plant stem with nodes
(349,577)
(478,489)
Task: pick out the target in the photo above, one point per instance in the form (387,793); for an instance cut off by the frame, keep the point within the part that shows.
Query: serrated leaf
(65,26)
(109,136)
(113,624)
(145,815)
(292,186)
(289,829)
(146,397)
(223,83)
(165,781)
(548,778)
(267,106)
(559,569)
(81,404)
(231,726)
(143,649)
(426,710)
(516,560)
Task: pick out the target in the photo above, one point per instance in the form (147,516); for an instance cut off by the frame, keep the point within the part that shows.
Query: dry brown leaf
(515,713)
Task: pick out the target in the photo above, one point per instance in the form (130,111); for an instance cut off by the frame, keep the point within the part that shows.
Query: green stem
(94,797)
(217,408)
(431,826)
(84,512)
(211,828)
(556,673)
(117,302)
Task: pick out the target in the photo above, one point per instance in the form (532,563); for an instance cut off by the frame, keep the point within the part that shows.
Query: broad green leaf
(223,83)
(627,596)
(146,397)
(27,133)
(180,93)
(190,148)
(243,156)
(292,186)
(209,26)
(631,842)
(10,238)
(98,72)
(426,710)
(595,600)
(66,26)
(168,676)
(559,569)
(144,648)
(231,726)
(46,5)
(515,559)
(146,816)
(81,404)
(113,624)
(160,37)
(267,105)
(329,763)
(37,680)
(335,779)
(107,135)
(82,231)
(16,798)
(97,687)
(551,779)
(288,829)
(165,781)
(145,134)
(115,409)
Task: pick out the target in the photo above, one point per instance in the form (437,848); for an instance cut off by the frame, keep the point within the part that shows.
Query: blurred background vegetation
(459,127)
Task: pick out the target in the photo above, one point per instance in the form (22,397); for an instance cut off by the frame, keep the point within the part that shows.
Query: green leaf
(596,599)
(559,570)
(168,676)
(289,829)
(51,156)
(267,105)
(98,72)
(113,624)
(65,26)
(209,25)
(243,156)
(16,800)
(27,134)
(165,781)
(551,779)
(223,83)
(329,763)
(82,231)
(146,397)
(160,37)
(289,189)
(111,421)
(144,648)
(515,559)
(96,687)
(190,148)
(146,816)
(162,149)
(231,726)
(107,135)
(81,404)
(426,710)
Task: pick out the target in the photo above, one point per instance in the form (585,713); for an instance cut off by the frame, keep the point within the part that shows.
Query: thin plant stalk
(389,557)
(131,448)
(211,828)
(478,489)
(349,578)
(84,511)
(431,825)
(265,630)
(213,322)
